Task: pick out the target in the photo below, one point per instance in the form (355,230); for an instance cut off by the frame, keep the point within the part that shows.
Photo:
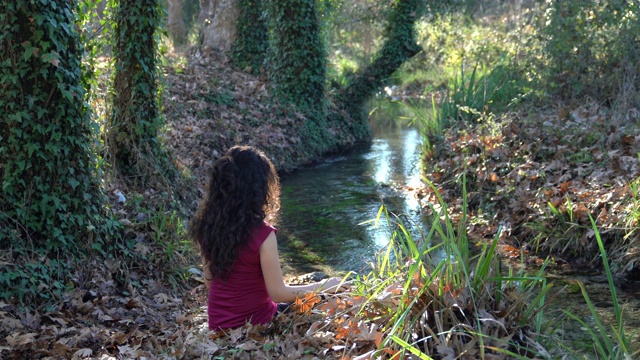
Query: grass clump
(611,343)
(459,305)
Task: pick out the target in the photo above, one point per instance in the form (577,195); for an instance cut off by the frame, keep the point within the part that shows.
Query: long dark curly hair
(243,190)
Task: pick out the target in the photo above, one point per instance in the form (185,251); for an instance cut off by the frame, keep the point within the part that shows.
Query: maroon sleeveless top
(243,296)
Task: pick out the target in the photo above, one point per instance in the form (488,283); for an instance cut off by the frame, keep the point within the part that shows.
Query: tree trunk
(177,26)
(400,45)
(218,20)
(134,123)
(297,64)
(249,48)
(50,191)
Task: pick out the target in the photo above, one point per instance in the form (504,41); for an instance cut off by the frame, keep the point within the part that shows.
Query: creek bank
(536,175)
(539,176)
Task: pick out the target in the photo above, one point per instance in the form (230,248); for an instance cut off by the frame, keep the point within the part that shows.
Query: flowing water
(325,224)
(328,208)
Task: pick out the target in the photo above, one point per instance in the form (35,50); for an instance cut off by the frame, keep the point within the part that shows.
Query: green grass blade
(486,259)
(594,336)
(596,318)
(539,299)
(412,349)
(469,97)
(612,288)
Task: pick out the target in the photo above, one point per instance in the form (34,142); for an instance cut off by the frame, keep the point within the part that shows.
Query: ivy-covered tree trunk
(50,192)
(297,64)
(249,48)
(400,45)
(132,132)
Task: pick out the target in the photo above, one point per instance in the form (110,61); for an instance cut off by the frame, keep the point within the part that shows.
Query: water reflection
(324,206)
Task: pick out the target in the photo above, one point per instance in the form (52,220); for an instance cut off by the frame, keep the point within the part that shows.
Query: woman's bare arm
(272,272)
(206,273)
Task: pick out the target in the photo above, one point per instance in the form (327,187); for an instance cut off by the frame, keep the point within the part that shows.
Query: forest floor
(538,176)
(150,303)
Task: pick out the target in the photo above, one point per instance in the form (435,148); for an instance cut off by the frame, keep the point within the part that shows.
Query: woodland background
(111,113)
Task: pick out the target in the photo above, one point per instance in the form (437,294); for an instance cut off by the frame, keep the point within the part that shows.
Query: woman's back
(243,295)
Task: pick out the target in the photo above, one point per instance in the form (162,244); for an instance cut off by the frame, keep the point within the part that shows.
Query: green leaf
(28,51)
(74,183)
(31,147)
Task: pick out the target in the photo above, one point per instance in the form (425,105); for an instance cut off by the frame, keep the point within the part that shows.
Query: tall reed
(431,296)
(613,343)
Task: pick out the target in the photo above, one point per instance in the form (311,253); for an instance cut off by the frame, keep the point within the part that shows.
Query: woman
(239,248)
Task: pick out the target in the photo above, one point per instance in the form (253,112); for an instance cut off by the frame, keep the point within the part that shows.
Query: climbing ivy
(296,55)
(132,131)
(50,190)
(400,45)
(248,50)
(51,202)
(296,61)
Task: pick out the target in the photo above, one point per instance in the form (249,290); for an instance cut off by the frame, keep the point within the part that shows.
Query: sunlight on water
(328,207)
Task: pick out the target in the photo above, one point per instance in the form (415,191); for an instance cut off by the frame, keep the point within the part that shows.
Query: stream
(328,209)
(326,224)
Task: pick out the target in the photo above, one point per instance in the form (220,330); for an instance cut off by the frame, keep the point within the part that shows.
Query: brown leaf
(132,303)
(17,339)
(581,212)
(82,353)
(369,333)
(305,305)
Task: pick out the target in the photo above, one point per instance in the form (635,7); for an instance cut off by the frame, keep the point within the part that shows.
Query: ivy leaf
(53,58)
(73,183)
(28,51)
(21,164)
(31,147)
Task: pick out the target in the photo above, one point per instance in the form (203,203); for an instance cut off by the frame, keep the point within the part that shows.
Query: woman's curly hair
(244,188)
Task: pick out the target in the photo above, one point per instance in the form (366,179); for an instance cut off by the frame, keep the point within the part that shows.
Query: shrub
(593,48)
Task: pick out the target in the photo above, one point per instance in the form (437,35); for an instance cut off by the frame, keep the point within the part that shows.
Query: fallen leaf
(18,339)
(82,353)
